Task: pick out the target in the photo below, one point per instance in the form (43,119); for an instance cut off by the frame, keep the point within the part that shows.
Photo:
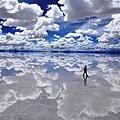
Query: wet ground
(48,86)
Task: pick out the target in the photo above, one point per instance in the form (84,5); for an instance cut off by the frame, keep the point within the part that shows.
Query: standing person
(85,71)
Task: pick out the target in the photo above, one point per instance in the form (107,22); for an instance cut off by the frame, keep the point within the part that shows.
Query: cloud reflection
(59,78)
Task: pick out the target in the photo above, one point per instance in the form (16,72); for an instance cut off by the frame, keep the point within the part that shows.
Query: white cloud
(19,11)
(53,27)
(84,8)
(73,35)
(43,22)
(56,36)
(68,42)
(80,32)
(46,23)
(36,29)
(32,34)
(63,43)
(9,36)
(39,29)
(22,24)
(10,41)
(88,31)
(54,11)
(8,4)
(26,17)
(112,30)
(105,38)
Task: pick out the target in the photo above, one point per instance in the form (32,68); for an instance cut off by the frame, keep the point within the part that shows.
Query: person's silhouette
(85,71)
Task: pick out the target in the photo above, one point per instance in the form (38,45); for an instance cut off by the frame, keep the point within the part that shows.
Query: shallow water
(49,86)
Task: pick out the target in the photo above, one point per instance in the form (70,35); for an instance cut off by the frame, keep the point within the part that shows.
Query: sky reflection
(45,82)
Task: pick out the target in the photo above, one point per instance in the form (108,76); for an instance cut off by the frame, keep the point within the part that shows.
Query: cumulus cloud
(80,32)
(32,34)
(69,41)
(46,23)
(19,11)
(39,29)
(63,43)
(26,21)
(9,36)
(84,8)
(22,24)
(31,19)
(54,27)
(27,17)
(73,35)
(112,30)
(88,31)
(10,41)
(36,29)
(54,11)
(56,36)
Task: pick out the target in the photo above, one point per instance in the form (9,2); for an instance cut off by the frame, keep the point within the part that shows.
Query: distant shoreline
(66,51)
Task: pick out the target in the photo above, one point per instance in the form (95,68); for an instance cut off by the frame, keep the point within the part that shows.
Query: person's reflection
(85,79)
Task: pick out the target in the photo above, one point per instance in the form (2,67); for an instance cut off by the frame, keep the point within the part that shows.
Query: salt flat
(48,86)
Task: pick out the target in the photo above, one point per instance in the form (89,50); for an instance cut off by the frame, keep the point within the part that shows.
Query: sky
(60,24)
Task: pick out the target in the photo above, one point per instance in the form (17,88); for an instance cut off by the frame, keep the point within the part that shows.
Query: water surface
(49,86)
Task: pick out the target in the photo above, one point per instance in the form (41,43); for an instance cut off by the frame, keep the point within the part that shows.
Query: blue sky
(60,24)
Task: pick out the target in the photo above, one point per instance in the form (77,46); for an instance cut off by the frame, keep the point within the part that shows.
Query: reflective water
(47,86)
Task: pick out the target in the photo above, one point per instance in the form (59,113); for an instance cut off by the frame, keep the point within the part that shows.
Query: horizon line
(65,51)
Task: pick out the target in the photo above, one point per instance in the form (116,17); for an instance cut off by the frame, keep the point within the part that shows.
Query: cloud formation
(26,17)
(39,29)
(112,30)
(54,11)
(19,11)
(79,9)
(75,34)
